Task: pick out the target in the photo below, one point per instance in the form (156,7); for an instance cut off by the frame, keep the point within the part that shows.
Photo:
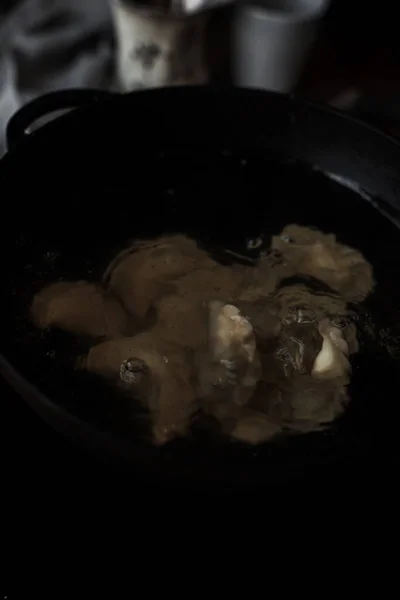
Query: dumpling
(79,307)
(332,360)
(319,255)
(140,276)
(157,373)
(229,367)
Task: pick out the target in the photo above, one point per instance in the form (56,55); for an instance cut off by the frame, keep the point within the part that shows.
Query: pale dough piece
(206,284)
(319,255)
(228,371)
(138,278)
(315,402)
(181,321)
(182,314)
(255,429)
(79,307)
(167,390)
(332,359)
(229,331)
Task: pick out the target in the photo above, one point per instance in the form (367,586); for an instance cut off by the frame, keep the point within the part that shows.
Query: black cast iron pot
(223,166)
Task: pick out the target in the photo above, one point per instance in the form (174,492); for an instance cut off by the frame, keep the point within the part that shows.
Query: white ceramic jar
(271,41)
(157,48)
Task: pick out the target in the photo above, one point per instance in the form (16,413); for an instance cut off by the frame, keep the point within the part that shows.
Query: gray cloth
(52,44)
(47,45)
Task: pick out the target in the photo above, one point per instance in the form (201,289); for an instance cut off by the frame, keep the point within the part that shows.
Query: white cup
(271,40)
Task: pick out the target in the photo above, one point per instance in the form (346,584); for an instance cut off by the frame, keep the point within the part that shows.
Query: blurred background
(341,52)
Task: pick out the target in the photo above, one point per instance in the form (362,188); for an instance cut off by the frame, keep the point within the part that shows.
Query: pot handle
(20,123)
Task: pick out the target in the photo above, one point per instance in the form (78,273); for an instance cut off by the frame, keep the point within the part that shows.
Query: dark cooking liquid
(185,333)
(222,201)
